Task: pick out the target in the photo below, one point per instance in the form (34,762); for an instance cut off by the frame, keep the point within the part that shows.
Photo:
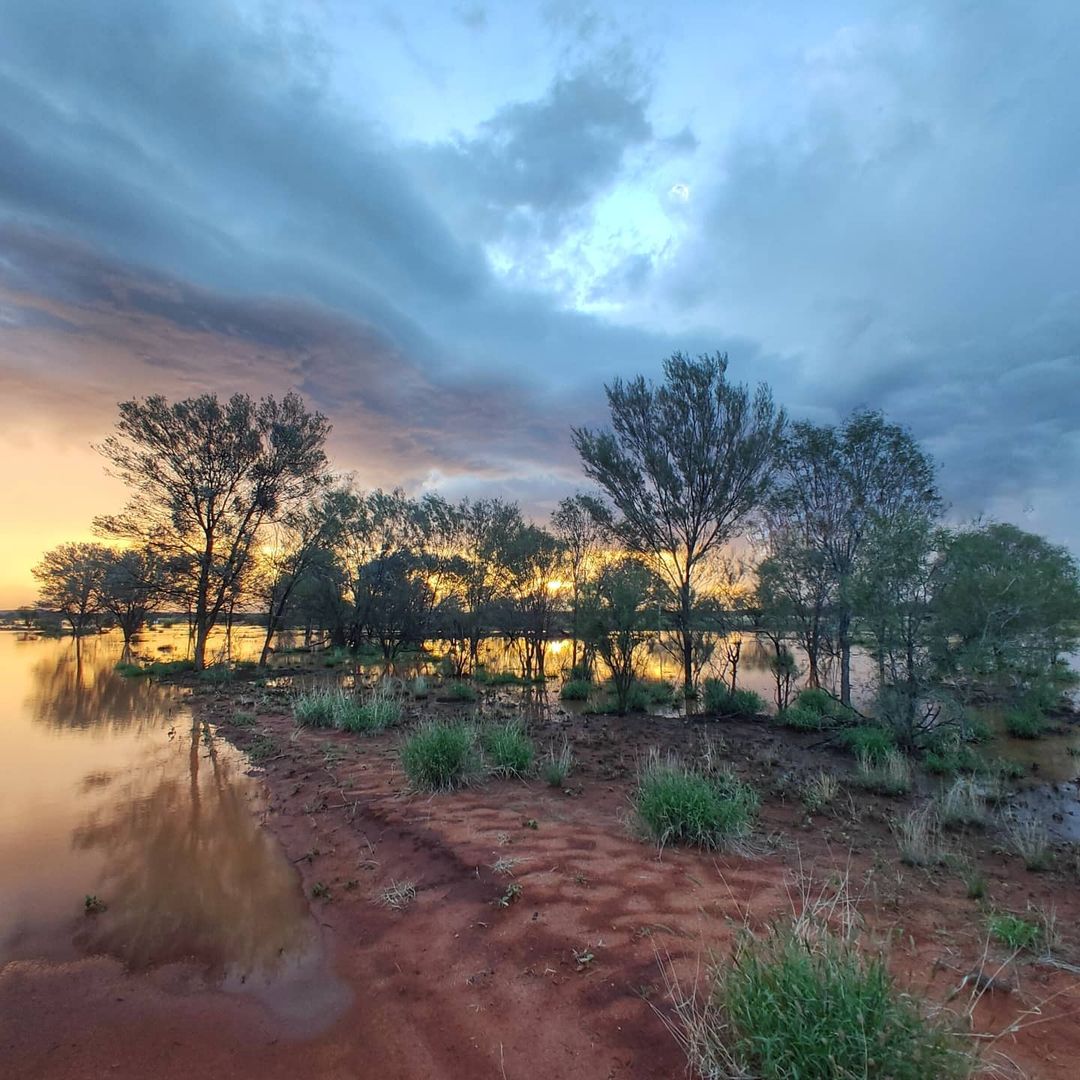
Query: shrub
(419,687)
(888,775)
(869,741)
(575,690)
(801,1002)
(1025,723)
(317,708)
(215,673)
(509,751)
(814,699)
(129,671)
(802,719)
(439,756)
(946,754)
(721,699)
(170,667)
(556,767)
(677,805)
(660,692)
(1014,932)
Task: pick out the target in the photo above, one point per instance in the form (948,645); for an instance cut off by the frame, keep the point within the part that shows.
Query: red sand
(456,986)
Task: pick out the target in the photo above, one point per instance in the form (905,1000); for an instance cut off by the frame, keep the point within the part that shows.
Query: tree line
(233,508)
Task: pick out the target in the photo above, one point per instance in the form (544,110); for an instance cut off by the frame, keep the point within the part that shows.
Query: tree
(582,523)
(685,463)
(205,477)
(133,584)
(69,578)
(1007,603)
(617,620)
(835,483)
(531,561)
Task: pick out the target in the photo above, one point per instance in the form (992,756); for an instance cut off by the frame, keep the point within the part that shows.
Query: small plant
(380,711)
(583,957)
(575,690)
(509,751)
(918,836)
(556,767)
(963,804)
(678,805)
(94,905)
(803,1002)
(320,891)
(889,775)
(816,700)
(1028,838)
(504,865)
(868,740)
(419,688)
(510,895)
(262,749)
(1014,932)
(721,699)
(1026,723)
(440,756)
(975,884)
(820,791)
(129,671)
(530,823)
(801,719)
(398,895)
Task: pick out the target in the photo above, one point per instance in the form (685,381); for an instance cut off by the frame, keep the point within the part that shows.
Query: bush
(804,1003)
(1014,932)
(814,699)
(660,692)
(575,690)
(510,752)
(889,775)
(170,667)
(869,741)
(802,719)
(440,756)
(721,699)
(1027,723)
(677,805)
(947,754)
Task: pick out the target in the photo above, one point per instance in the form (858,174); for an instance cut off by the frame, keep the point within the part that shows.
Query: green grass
(947,754)
(803,719)
(575,690)
(440,756)
(814,699)
(1027,723)
(318,708)
(888,775)
(508,750)
(216,673)
(868,740)
(556,767)
(721,699)
(675,804)
(129,671)
(460,691)
(377,713)
(243,719)
(170,667)
(1014,932)
(799,1003)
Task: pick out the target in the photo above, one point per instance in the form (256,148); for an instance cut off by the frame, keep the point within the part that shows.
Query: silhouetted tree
(69,579)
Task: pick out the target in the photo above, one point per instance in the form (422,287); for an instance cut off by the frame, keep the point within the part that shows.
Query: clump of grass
(801,1001)
(1014,932)
(1026,723)
(678,805)
(963,803)
(820,791)
(419,688)
(575,690)
(318,708)
(802,719)
(380,711)
(660,692)
(918,836)
(509,751)
(398,895)
(868,740)
(556,767)
(887,775)
(814,699)
(243,719)
(216,673)
(170,667)
(440,756)
(129,671)
(721,699)
(1029,839)
(461,691)
(262,749)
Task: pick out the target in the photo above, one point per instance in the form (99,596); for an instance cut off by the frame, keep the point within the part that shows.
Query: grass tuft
(820,792)
(1026,723)
(963,804)
(678,805)
(508,750)
(575,690)
(1014,932)
(1029,839)
(918,836)
(440,756)
(556,767)
(888,775)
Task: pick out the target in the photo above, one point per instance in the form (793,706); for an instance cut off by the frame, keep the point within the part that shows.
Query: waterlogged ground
(247,933)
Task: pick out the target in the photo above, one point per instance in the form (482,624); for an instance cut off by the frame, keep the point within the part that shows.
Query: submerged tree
(685,463)
(205,476)
(133,584)
(69,579)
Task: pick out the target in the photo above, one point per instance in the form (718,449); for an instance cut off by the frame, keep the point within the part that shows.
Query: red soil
(456,986)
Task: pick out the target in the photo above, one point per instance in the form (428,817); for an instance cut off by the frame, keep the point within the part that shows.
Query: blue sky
(449,224)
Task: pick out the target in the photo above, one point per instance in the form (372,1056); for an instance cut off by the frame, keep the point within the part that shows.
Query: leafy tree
(133,583)
(617,620)
(69,579)
(532,560)
(685,463)
(582,522)
(835,483)
(205,476)
(1008,603)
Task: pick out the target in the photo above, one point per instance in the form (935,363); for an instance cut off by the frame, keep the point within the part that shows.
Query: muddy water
(112,790)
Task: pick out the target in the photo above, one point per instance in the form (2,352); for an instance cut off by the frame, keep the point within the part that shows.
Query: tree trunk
(202,632)
(844,635)
(687,638)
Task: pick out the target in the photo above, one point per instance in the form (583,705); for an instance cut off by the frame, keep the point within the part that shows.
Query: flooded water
(111,790)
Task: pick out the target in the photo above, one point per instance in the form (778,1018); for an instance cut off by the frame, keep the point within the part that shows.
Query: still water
(112,790)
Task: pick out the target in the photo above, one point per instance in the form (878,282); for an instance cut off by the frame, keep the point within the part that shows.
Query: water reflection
(111,789)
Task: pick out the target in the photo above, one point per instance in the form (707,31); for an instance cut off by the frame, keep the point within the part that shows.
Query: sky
(449,224)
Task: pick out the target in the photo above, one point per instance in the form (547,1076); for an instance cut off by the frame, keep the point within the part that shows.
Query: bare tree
(685,463)
(205,477)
